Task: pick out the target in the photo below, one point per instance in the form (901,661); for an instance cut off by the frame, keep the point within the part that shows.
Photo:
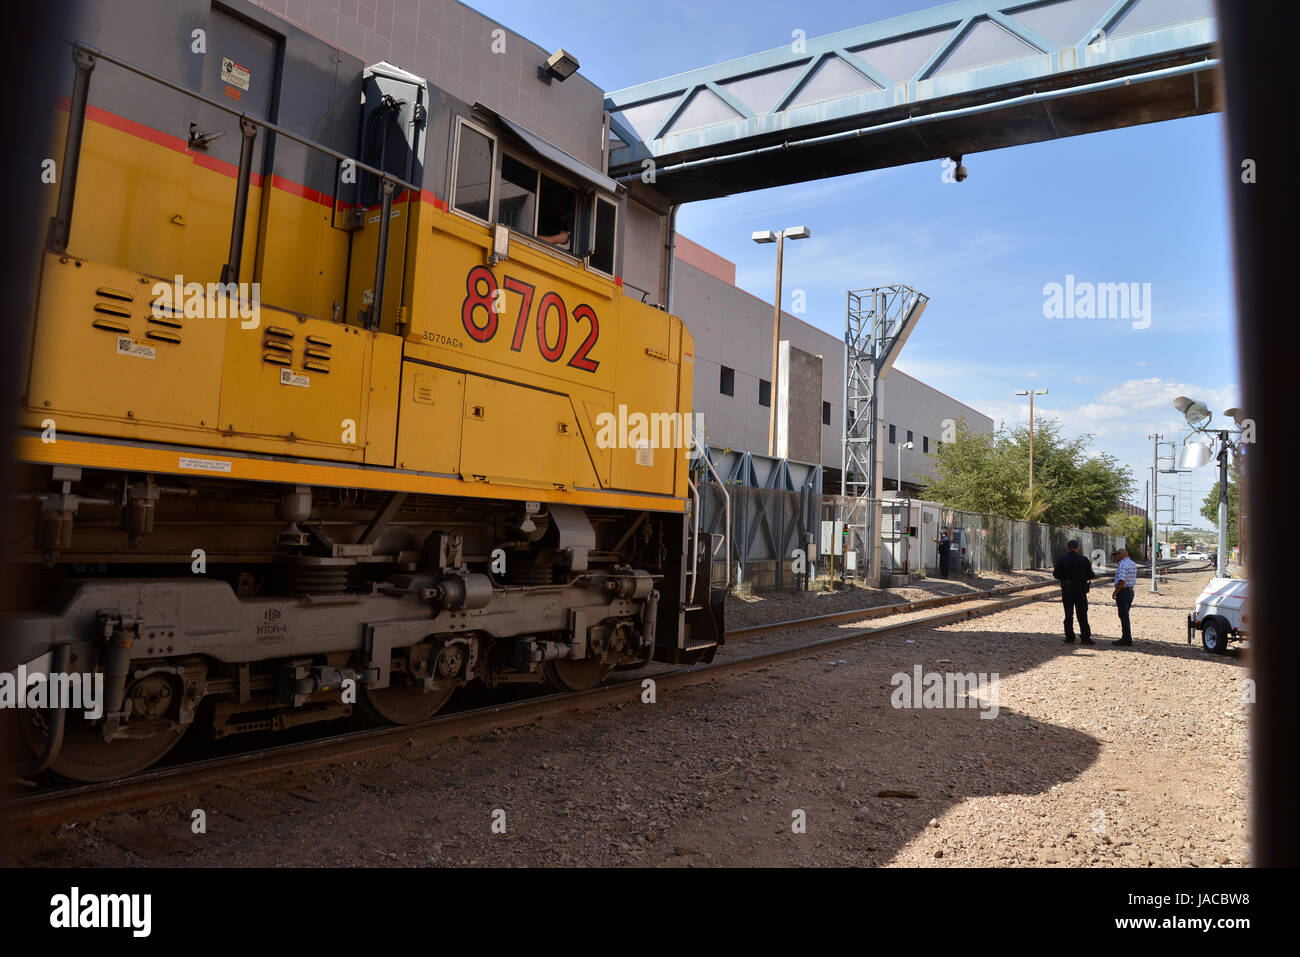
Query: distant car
(1220,614)
(1194,557)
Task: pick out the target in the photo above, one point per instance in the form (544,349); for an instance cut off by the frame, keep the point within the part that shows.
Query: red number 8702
(481,292)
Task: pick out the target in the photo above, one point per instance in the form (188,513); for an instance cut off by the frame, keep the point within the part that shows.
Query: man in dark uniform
(1074,572)
(944,545)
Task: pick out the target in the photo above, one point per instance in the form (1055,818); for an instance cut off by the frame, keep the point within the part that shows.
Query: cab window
(517,198)
(556,212)
(604,217)
(472,193)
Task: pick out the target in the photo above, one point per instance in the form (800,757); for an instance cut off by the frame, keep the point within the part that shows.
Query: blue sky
(1146,204)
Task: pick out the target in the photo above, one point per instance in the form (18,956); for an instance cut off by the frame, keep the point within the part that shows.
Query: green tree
(973,474)
(1134,530)
(990,473)
(1210,507)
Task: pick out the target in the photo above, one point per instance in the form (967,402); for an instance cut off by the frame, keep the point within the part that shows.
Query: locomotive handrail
(726,510)
(85,56)
(695,540)
(98,54)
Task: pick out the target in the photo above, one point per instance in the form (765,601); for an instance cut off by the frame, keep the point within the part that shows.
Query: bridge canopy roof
(959,78)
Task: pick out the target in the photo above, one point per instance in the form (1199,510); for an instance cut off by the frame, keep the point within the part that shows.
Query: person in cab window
(556,203)
(556,229)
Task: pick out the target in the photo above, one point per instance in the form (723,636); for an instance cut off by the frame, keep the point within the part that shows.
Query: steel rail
(894,608)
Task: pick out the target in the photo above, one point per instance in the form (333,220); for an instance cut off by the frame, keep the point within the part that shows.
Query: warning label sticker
(644,454)
(289,377)
(234,74)
(204,465)
(126,346)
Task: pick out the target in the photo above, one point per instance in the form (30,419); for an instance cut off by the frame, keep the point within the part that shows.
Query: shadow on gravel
(1192,652)
(960,585)
(869,776)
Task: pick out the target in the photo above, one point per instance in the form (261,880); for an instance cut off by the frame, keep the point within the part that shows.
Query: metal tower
(877,324)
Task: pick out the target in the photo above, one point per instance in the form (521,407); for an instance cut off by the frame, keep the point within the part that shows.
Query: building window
(826,413)
(909,435)
(472,192)
(925,444)
(727,380)
(764,393)
(893,437)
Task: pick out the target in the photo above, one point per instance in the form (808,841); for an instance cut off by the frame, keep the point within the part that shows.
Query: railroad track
(63,804)
(881,611)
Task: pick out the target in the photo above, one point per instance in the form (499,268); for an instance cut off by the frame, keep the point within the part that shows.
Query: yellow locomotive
(332,408)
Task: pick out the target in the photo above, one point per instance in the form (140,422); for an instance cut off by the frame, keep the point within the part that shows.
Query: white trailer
(1220,614)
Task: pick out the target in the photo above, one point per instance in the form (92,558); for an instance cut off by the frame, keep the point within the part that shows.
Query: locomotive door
(239,70)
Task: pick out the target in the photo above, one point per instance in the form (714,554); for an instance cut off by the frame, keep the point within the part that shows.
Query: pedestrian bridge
(956,79)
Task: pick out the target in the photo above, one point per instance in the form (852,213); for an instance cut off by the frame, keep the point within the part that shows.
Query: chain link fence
(779,536)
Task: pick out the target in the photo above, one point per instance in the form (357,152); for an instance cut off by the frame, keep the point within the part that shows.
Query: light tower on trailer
(1199,449)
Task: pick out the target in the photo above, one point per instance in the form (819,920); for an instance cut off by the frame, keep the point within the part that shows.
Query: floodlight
(1194,412)
(1195,454)
(560,65)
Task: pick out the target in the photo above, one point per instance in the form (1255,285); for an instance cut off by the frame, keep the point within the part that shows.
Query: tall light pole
(1031,393)
(900,447)
(907,516)
(768,236)
(1155,508)
(1197,452)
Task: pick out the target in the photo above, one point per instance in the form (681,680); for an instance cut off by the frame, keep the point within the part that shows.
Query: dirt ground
(1097,756)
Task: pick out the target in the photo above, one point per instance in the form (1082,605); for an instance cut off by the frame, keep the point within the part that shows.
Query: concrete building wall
(644,254)
(451,46)
(910,405)
(799,405)
(733,329)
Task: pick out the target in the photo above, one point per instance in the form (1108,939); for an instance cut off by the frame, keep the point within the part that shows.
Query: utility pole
(1146,524)
(1031,393)
(1155,527)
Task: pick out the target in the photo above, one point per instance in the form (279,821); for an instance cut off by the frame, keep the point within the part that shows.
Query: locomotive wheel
(565,674)
(405,702)
(86,757)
